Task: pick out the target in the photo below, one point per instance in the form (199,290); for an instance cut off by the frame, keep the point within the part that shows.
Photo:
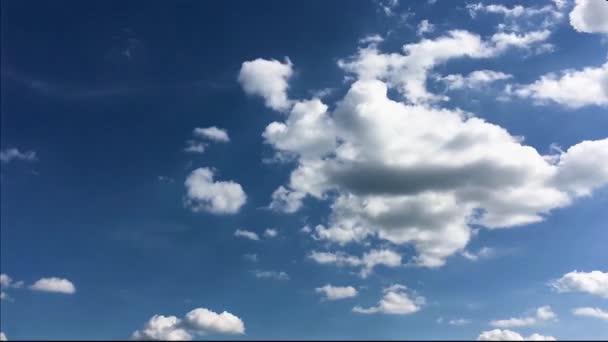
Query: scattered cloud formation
(569,88)
(246,234)
(367,262)
(394,302)
(10,154)
(212,133)
(594,282)
(590,16)
(331,292)
(268,79)
(194,146)
(276,275)
(459,321)
(270,233)
(7,282)
(591,312)
(54,284)
(483,253)
(425,27)
(508,335)
(199,321)
(475,80)
(542,314)
(216,197)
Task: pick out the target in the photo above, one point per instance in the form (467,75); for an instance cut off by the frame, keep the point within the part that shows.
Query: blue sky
(311,170)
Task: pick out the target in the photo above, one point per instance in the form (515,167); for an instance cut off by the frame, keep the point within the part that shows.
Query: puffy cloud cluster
(590,16)
(508,335)
(331,292)
(594,282)
(542,314)
(396,301)
(217,197)
(268,79)
(54,284)
(210,133)
(415,174)
(591,312)
(199,321)
(367,262)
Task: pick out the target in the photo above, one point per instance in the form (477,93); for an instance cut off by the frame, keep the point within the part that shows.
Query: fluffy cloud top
(54,284)
(199,321)
(11,154)
(217,197)
(591,312)
(395,302)
(570,88)
(508,335)
(594,282)
(268,79)
(542,314)
(246,234)
(212,133)
(336,292)
(590,16)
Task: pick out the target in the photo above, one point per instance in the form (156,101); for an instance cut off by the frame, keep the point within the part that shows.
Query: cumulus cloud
(591,312)
(396,301)
(331,292)
(276,275)
(194,146)
(212,133)
(542,314)
(371,39)
(367,262)
(199,321)
(246,234)
(6,282)
(216,197)
(3,336)
(268,79)
(425,27)
(594,282)
(8,155)
(508,335)
(475,80)
(590,16)
(54,284)
(270,233)
(414,174)
(569,88)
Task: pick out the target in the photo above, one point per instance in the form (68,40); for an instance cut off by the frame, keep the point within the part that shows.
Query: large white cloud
(54,284)
(396,301)
(419,175)
(594,282)
(217,197)
(508,335)
(331,292)
(591,312)
(199,321)
(542,314)
(590,16)
(268,79)
(569,88)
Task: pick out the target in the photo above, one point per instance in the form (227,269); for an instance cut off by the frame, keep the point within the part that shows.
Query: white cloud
(425,27)
(286,201)
(594,282)
(371,39)
(483,253)
(246,234)
(508,335)
(459,321)
(591,312)
(193,146)
(336,292)
(199,321)
(6,282)
(212,133)
(542,314)
(306,230)
(590,16)
(221,197)
(569,88)
(270,233)
(11,154)
(3,296)
(3,336)
(268,79)
(54,284)
(395,302)
(276,275)
(475,80)
(370,259)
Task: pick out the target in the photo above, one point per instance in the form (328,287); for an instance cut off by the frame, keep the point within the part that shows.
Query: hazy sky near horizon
(306,170)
